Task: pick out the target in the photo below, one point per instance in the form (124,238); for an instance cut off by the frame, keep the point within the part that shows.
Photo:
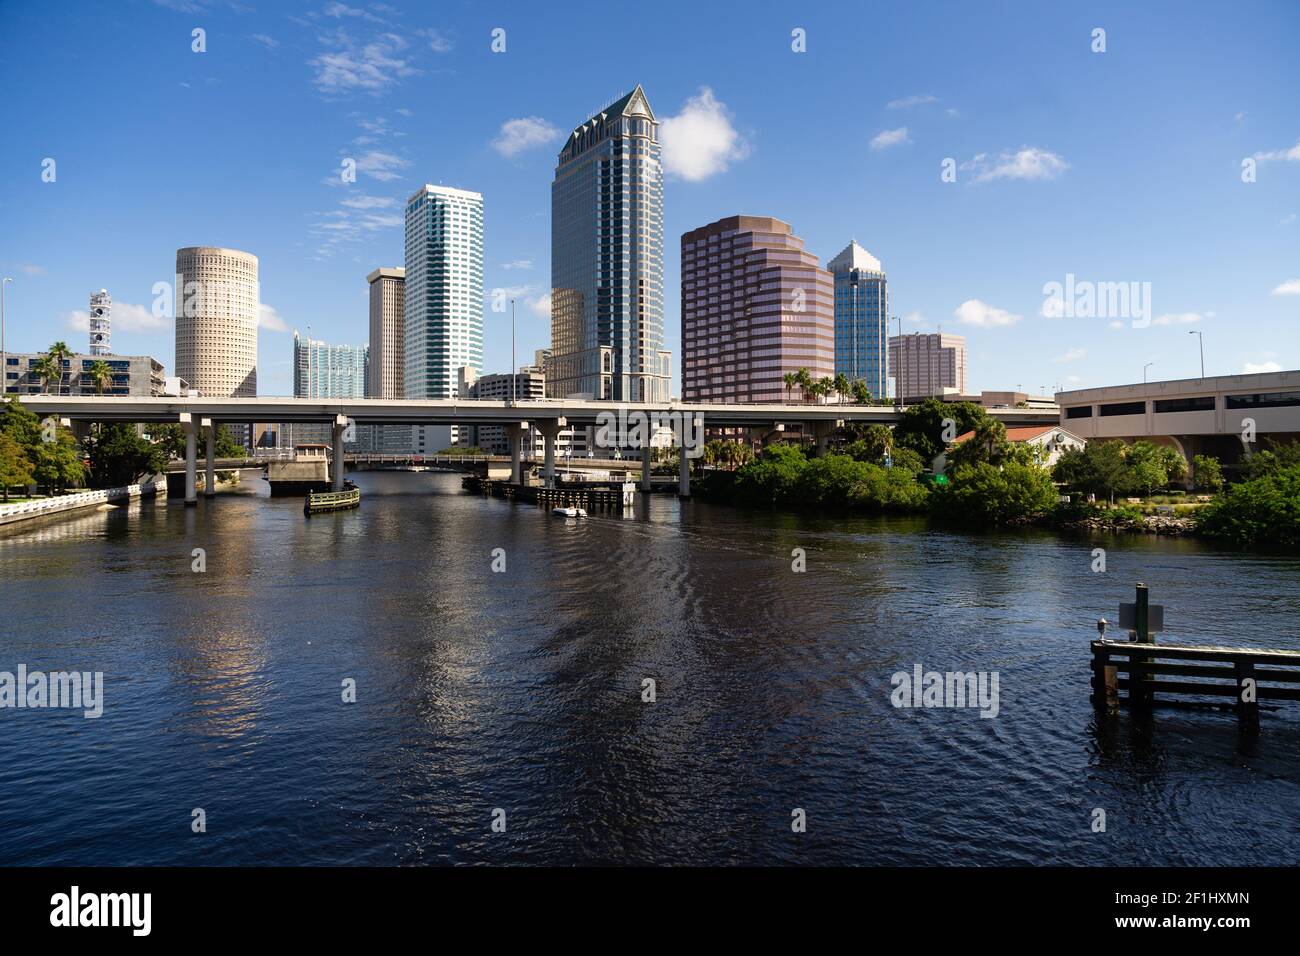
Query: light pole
(1144,371)
(512,353)
(1200,338)
(4,356)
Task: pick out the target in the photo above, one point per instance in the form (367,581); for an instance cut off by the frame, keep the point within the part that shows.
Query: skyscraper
(861,318)
(443,304)
(216,320)
(755,305)
(321,370)
(101,308)
(387,340)
(925,364)
(607,321)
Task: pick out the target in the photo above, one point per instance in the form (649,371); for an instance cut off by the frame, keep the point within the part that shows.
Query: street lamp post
(4,356)
(1144,371)
(1200,338)
(513,371)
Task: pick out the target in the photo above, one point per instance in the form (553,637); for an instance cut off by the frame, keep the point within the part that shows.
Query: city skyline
(1162,115)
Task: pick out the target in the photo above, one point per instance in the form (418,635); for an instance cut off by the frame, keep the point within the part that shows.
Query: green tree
(803,379)
(1101,469)
(58,466)
(987,494)
(1277,456)
(15,467)
(842,385)
(921,427)
(1207,473)
(790,379)
(907,460)
(170,437)
(226,446)
(59,353)
(773,476)
(987,443)
(47,370)
(120,456)
(861,394)
(870,443)
(101,375)
(1263,510)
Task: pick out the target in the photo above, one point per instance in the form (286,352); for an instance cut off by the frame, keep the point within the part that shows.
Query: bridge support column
(336,466)
(191,459)
(683,472)
(515,433)
(646,451)
(823,431)
(550,431)
(210,472)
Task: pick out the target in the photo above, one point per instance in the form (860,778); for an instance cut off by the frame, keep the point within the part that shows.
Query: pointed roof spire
(855,257)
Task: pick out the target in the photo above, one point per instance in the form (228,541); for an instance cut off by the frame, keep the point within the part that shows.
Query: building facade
(443,299)
(139,375)
(216,320)
(101,327)
(387,336)
(861,318)
(607,322)
(755,306)
(321,370)
(927,363)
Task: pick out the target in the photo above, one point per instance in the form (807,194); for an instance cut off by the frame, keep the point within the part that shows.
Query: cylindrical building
(216,320)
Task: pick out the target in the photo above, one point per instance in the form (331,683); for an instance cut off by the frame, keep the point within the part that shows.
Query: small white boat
(569,512)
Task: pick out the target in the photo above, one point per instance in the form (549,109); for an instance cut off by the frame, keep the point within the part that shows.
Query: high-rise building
(216,320)
(443,299)
(127,375)
(321,370)
(755,305)
(387,341)
(926,364)
(101,308)
(861,318)
(607,322)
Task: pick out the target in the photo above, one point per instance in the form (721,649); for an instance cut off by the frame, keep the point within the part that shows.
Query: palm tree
(825,385)
(842,386)
(861,394)
(58,354)
(805,382)
(791,380)
(46,369)
(101,375)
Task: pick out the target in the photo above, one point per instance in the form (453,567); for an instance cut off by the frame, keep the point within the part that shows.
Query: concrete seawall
(17,511)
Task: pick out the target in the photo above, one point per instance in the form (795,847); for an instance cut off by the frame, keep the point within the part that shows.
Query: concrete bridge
(548,417)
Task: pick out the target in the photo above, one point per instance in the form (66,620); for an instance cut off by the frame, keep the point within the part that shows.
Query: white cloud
(890,137)
(124,317)
(31,270)
(907,102)
(518,135)
(1289,287)
(1029,162)
(1071,355)
(1179,318)
(437,42)
(380,165)
(268,318)
(700,141)
(269,42)
(914,318)
(1292,154)
(369,202)
(517,264)
(1287,220)
(1115,325)
(541,304)
(371,67)
(975,312)
(1254,368)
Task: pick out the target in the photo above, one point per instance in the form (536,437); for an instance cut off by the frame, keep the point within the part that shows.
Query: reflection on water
(522,690)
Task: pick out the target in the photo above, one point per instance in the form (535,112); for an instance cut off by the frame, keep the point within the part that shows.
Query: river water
(521,691)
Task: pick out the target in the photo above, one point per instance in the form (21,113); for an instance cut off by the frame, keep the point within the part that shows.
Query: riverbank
(20,511)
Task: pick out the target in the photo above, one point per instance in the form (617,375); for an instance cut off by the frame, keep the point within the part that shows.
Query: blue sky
(1115,166)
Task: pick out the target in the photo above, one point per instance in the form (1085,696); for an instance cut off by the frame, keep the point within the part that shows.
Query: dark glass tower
(607,316)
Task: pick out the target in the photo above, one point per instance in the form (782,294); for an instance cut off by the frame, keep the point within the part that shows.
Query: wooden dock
(591,499)
(325,501)
(1204,676)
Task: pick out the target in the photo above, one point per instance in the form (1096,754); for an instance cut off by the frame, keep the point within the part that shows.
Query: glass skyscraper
(321,370)
(861,318)
(607,312)
(443,306)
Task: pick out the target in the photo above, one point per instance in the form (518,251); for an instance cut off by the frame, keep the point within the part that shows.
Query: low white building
(1052,439)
